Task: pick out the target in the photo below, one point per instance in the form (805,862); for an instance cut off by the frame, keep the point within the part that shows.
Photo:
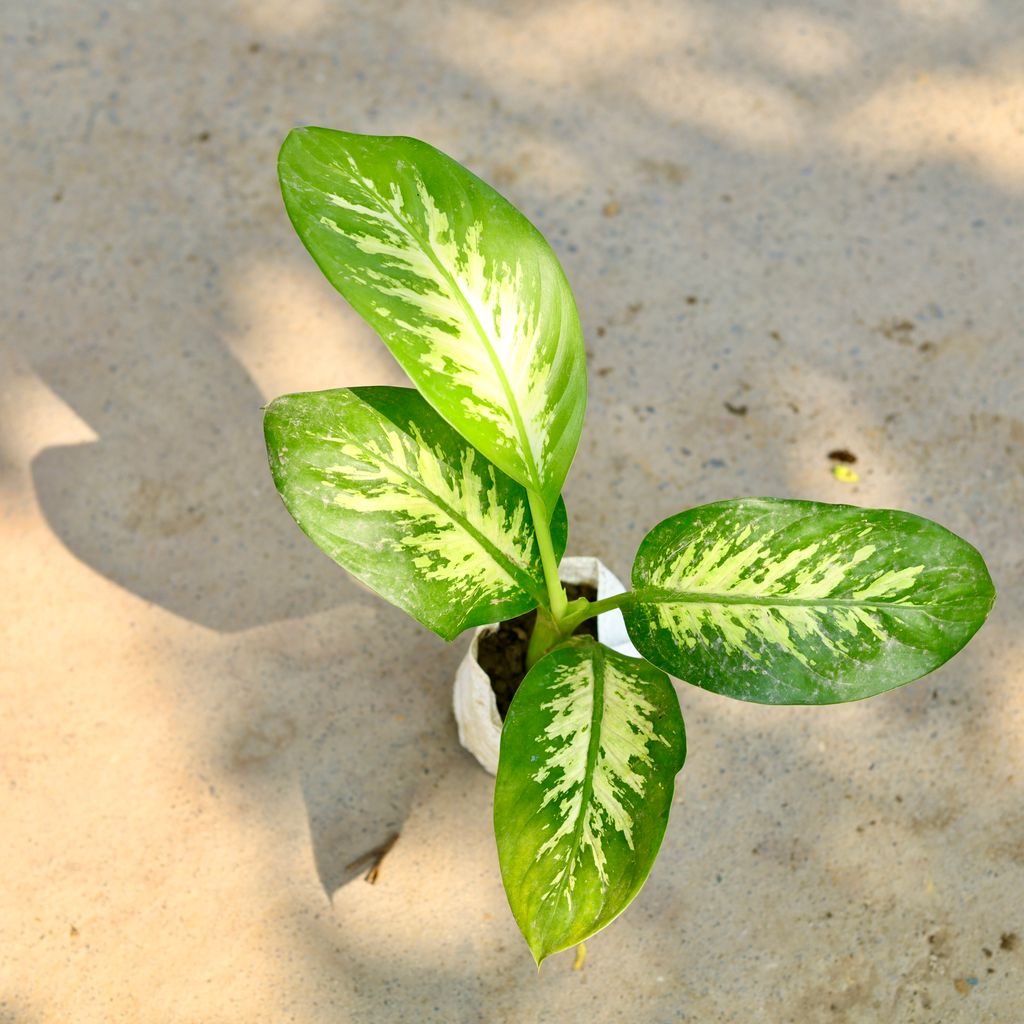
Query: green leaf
(386,488)
(464,291)
(797,602)
(589,754)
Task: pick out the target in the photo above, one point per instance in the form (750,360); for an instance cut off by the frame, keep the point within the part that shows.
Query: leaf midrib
(655,596)
(524,443)
(517,573)
(593,749)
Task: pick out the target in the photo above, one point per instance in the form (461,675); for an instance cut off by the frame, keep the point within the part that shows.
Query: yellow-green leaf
(798,602)
(463,290)
(386,488)
(589,754)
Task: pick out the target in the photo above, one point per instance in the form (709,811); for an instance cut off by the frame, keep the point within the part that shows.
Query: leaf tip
(290,141)
(538,953)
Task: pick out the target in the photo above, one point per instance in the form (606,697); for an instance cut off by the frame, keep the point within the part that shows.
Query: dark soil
(502,654)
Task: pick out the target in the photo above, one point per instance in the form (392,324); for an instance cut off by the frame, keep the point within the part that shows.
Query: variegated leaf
(589,754)
(463,290)
(386,488)
(797,602)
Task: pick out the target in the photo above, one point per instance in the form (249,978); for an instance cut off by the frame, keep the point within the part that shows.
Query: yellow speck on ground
(581,956)
(845,475)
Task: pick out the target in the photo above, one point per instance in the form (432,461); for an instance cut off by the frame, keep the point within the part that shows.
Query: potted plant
(445,500)
(494,665)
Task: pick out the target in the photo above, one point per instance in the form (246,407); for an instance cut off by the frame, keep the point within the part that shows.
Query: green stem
(547,634)
(544,636)
(542,526)
(597,608)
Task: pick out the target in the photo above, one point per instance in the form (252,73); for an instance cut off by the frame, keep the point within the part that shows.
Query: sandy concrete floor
(810,210)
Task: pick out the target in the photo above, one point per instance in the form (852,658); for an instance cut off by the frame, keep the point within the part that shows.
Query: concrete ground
(810,210)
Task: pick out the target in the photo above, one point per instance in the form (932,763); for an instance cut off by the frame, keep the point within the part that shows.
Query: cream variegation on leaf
(589,753)
(389,491)
(798,602)
(463,290)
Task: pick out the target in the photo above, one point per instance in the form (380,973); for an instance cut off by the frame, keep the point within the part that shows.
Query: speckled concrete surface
(808,210)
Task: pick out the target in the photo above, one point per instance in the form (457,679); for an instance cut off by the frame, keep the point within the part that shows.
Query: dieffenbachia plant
(445,501)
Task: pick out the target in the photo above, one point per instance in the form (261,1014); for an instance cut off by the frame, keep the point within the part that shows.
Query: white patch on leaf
(477,324)
(404,477)
(588,809)
(814,584)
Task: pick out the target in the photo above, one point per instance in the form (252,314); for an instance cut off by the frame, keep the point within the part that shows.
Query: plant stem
(597,608)
(544,636)
(542,527)
(547,634)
